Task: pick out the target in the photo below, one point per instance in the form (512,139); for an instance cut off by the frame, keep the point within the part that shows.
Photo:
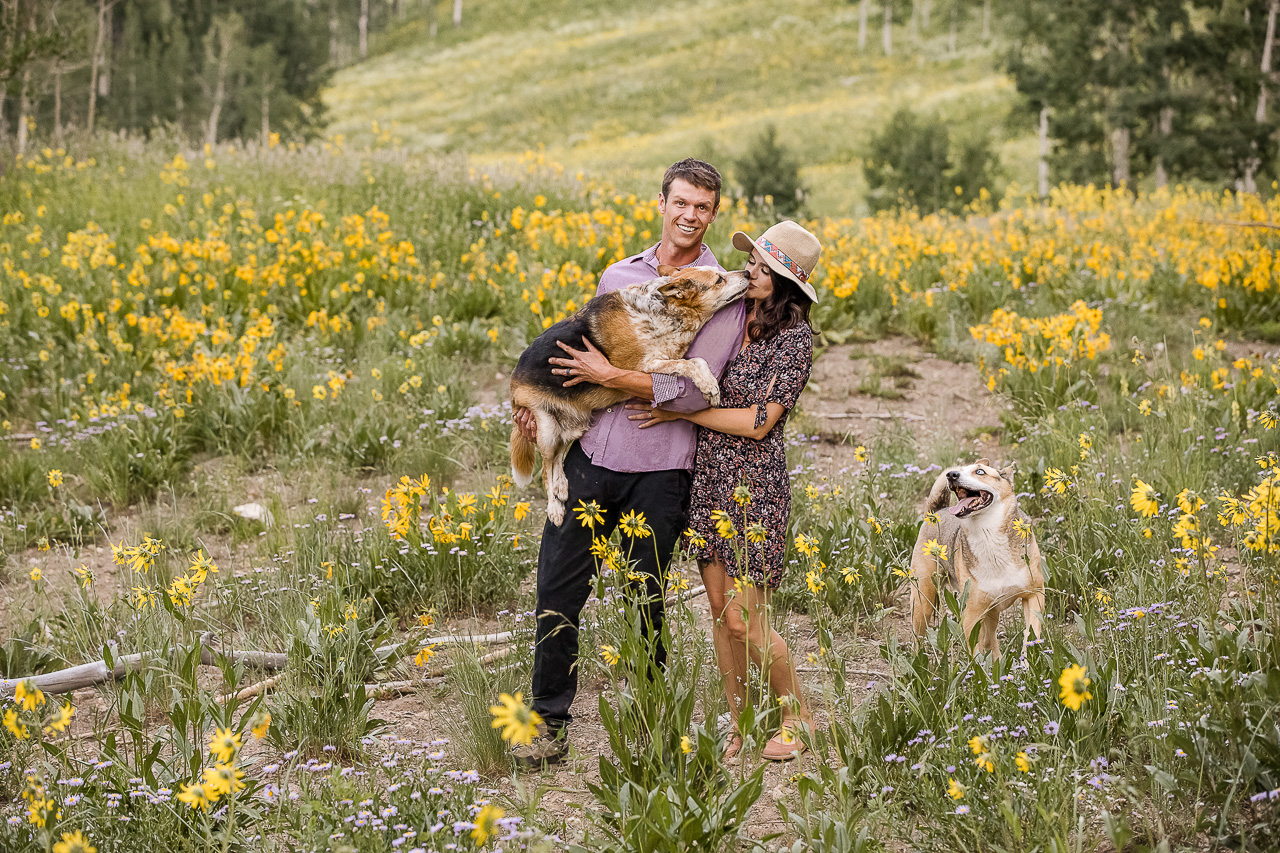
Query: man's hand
(649,416)
(525,422)
(589,365)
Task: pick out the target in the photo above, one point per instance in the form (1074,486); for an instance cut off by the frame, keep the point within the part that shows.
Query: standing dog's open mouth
(969,500)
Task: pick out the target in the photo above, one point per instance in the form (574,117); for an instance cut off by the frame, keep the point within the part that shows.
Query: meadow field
(325,331)
(592,82)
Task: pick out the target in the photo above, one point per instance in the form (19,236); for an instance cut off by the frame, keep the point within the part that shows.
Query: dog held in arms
(645,327)
(988,542)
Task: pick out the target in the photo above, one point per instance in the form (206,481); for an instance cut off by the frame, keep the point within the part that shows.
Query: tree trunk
(864,11)
(986,20)
(1272,8)
(94,61)
(266,115)
(1250,182)
(222,37)
(926,11)
(1120,156)
(886,34)
(363,24)
(1043,166)
(24,107)
(953,37)
(457,13)
(57,99)
(333,34)
(1164,129)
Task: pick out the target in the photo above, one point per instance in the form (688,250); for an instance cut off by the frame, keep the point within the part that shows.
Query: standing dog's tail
(522,454)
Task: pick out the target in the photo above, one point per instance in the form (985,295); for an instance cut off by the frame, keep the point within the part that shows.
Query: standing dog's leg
(1033,605)
(924,593)
(979,608)
(989,642)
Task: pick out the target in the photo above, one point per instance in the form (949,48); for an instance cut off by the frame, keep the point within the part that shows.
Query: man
(621,467)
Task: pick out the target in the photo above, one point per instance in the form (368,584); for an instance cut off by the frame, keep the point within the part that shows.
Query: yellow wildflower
(486,823)
(1143,500)
(225,745)
(517,720)
(1075,687)
(589,514)
(74,842)
(26,694)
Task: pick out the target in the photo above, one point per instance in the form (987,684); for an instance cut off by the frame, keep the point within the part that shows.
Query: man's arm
(590,365)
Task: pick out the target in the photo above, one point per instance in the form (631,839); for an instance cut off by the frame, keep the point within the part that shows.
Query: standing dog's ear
(667,269)
(939,495)
(983,461)
(1008,471)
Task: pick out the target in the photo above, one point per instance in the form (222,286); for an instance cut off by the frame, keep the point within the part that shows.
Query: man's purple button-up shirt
(616,442)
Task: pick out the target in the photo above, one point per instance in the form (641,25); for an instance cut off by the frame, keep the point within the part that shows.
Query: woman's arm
(740,422)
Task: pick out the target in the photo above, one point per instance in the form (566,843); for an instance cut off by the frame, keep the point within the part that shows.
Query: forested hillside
(1025,91)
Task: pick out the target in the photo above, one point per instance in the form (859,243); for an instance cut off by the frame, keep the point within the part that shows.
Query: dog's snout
(952,476)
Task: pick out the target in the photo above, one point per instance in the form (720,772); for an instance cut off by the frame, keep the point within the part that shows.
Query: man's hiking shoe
(546,749)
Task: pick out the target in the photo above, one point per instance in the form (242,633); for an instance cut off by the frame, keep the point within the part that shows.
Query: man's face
(687,211)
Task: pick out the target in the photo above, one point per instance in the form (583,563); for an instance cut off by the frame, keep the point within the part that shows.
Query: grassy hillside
(606,87)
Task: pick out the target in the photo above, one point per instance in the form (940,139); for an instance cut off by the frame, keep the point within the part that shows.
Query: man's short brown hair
(697,172)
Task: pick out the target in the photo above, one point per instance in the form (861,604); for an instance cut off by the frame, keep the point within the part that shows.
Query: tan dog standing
(985,547)
(645,327)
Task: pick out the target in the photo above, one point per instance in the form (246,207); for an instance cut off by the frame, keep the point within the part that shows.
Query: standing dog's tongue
(967,504)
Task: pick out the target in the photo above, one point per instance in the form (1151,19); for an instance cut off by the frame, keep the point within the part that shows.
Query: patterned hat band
(796,269)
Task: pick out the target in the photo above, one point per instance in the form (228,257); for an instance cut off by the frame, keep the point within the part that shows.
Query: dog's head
(699,290)
(978,488)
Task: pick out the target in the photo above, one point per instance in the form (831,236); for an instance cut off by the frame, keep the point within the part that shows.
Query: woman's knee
(735,625)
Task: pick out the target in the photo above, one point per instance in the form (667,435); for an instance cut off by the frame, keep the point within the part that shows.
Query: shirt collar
(650,256)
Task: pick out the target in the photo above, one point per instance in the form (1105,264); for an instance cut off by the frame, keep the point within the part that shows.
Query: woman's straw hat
(789,250)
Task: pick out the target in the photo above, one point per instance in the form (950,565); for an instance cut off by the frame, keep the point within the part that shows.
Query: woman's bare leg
(749,615)
(731,657)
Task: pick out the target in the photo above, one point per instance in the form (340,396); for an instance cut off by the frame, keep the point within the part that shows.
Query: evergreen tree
(770,172)
(910,163)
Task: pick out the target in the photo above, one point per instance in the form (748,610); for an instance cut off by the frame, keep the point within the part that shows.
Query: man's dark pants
(566,568)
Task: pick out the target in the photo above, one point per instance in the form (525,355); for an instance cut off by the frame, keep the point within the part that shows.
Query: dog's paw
(713,398)
(555,511)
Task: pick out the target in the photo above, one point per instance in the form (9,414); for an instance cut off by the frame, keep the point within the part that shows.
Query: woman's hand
(589,365)
(651,416)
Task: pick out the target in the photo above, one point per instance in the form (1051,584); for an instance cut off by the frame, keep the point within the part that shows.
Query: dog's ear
(1008,471)
(675,288)
(666,270)
(983,461)
(939,495)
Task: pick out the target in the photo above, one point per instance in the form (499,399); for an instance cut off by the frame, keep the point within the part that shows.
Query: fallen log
(96,672)
(685,596)
(249,692)
(76,677)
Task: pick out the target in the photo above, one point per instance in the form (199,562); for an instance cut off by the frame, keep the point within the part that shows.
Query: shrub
(913,163)
(770,176)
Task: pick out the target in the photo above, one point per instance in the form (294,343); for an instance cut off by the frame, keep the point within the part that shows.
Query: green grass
(622,90)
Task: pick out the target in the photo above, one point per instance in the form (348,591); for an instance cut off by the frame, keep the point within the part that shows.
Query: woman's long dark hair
(787,306)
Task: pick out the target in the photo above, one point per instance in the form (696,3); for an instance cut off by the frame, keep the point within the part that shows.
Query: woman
(741,495)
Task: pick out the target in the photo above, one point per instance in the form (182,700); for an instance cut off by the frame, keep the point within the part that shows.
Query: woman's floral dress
(767,371)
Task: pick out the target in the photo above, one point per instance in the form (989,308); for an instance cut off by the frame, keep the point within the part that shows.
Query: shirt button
(610,409)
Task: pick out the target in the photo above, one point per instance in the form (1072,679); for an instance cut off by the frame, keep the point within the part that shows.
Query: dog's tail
(522,455)
(939,496)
